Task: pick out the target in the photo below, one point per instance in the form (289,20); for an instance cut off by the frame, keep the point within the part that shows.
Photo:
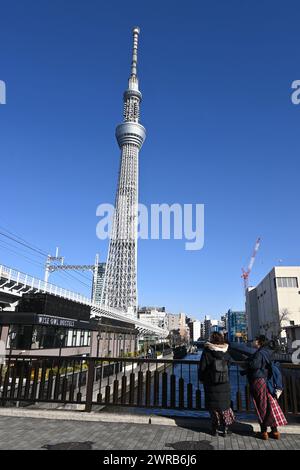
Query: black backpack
(219,373)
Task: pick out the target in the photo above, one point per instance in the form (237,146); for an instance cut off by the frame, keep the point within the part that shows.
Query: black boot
(214,430)
(226,431)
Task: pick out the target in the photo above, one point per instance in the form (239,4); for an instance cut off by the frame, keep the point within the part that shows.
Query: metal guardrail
(134,382)
(31,283)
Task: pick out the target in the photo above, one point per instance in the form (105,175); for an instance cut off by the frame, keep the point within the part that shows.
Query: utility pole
(49,267)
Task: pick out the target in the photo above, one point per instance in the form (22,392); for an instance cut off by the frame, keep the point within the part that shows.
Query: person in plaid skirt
(267,407)
(214,374)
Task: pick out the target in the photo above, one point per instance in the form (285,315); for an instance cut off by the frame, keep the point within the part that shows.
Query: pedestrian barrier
(131,382)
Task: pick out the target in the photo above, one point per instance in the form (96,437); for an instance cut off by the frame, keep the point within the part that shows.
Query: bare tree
(276,327)
(284,316)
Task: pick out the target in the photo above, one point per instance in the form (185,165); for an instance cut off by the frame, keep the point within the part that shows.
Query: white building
(154,315)
(274,303)
(172,321)
(195,330)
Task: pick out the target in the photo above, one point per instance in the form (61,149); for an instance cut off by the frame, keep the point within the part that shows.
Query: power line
(22,255)
(35,263)
(18,248)
(23,240)
(72,276)
(22,243)
(39,251)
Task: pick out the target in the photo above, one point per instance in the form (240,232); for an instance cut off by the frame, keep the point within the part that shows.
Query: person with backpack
(265,382)
(214,373)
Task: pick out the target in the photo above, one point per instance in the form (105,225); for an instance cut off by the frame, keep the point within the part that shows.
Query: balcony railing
(133,382)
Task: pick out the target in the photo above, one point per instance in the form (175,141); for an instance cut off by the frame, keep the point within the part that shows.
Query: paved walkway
(38,433)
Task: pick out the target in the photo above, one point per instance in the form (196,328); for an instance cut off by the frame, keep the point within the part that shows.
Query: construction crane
(246,273)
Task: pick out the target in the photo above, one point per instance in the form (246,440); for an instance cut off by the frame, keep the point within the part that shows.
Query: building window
(23,337)
(85,341)
(70,338)
(74,338)
(46,337)
(81,338)
(287,282)
(78,336)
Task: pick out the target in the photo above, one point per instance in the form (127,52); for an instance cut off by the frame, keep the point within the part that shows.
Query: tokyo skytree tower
(120,282)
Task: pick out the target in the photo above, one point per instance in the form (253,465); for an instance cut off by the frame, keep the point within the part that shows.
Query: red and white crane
(247,272)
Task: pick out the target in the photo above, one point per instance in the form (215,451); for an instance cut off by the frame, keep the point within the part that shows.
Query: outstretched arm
(203,366)
(255,362)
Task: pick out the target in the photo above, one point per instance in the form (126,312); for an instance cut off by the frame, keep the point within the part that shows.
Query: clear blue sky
(215,77)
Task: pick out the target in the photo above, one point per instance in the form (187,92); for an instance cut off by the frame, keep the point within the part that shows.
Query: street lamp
(147,345)
(120,339)
(61,337)
(108,337)
(124,343)
(12,337)
(135,338)
(99,337)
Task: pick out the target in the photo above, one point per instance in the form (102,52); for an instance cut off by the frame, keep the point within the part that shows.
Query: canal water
(190,375)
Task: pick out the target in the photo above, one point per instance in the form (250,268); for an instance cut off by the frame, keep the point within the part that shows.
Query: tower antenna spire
(135,32)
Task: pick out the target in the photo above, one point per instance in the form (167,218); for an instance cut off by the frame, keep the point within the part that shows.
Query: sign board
(55,321)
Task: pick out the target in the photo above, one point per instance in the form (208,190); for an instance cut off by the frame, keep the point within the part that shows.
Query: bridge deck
(13,284)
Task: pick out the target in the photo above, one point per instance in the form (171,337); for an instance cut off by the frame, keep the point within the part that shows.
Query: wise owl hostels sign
(55,321)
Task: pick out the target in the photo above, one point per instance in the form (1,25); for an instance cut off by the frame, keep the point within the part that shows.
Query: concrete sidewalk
(22,428)
(137,416)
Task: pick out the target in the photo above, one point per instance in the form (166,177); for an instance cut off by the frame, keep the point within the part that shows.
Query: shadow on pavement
(191,445)
(87,445)
(204,425)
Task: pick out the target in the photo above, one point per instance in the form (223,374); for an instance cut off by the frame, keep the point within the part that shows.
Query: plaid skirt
(222,418)
(267,407)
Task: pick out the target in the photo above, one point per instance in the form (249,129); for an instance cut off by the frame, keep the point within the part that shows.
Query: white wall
(196,330)
(266,303)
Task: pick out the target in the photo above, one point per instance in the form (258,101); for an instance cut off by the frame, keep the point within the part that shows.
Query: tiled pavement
(35,433)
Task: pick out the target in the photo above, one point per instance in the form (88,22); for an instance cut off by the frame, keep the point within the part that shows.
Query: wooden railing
(132,382)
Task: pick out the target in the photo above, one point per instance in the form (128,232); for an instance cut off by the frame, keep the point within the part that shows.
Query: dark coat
(217,396)
(257,365)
